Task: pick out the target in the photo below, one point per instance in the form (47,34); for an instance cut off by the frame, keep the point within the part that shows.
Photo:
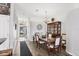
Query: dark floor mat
(24,50)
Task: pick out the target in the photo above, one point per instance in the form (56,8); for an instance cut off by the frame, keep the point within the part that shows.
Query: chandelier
(46,17)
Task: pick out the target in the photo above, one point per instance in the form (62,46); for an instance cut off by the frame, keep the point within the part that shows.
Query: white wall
(12,32)
(11,26)
(28,29)
(70,22)
(72,30)
(34,21)
(4,31)
(62,12)
(33,27)
(15,34)
(26,22)
(7,30)
(58,11)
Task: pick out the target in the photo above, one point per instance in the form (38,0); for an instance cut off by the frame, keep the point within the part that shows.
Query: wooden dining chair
(39,41)
(55,46)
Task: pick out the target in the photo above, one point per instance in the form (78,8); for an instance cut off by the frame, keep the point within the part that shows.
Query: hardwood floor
(17,50)
(43,51)
(38,52)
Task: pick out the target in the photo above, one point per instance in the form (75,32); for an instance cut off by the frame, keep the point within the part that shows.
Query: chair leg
(33,39)
(59,49)
(48,51)
(53,50)
(39,46)
(36,45)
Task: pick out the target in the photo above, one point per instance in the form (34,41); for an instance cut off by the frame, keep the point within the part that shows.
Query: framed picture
(5,8)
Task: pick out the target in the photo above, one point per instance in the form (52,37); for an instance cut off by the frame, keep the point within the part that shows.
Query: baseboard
(15,46)
(72,54)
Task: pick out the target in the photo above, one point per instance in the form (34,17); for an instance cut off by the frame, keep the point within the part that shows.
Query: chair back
(49,36)
(57,41)
(37,38)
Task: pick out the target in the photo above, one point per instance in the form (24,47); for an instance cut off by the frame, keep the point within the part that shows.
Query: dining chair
(55,46)
(39,41)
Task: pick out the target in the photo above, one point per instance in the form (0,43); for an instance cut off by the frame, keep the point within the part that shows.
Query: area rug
(24,50)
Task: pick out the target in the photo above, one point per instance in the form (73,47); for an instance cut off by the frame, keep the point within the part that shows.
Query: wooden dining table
(46,40)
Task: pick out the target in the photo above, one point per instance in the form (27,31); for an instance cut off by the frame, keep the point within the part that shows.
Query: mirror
(39,27)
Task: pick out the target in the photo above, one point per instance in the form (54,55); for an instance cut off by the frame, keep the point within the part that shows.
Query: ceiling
(43,9)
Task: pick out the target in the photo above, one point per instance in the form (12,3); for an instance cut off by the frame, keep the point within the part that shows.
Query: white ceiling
(38,9)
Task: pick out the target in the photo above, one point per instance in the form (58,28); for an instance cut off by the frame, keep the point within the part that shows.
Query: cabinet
(54,28)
